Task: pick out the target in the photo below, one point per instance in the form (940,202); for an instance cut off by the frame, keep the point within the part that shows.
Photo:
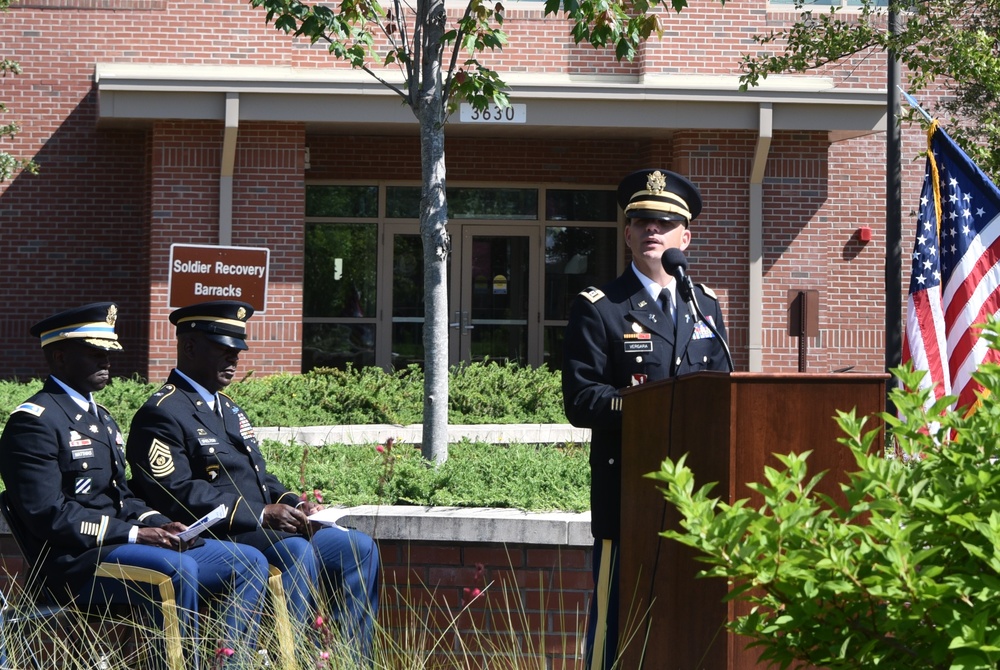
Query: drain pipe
(756,260)
(226,169)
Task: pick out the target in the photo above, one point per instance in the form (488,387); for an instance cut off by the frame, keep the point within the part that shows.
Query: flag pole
(915,105)
(893,219)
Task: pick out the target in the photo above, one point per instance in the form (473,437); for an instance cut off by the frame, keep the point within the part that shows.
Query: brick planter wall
(533,573)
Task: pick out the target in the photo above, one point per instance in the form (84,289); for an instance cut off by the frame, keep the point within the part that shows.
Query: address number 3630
(517,113)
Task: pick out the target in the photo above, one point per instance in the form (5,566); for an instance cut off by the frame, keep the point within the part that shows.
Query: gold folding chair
(282,621)
(167,603)
(126,573)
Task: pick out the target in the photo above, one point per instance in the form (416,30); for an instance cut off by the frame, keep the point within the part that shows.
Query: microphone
(674,262)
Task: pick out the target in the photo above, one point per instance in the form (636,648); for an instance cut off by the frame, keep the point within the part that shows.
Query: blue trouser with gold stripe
(237,572)
(602,624)
(348,561)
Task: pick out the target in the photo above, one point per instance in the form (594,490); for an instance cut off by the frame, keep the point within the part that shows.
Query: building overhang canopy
(341,101)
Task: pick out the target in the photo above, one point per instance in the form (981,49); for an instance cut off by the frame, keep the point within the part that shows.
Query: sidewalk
(538,433)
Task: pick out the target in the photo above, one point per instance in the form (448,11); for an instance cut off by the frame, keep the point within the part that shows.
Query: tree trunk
(435,239)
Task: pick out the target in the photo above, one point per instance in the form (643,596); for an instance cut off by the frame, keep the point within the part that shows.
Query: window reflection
(356,202)
(575,258)
(580,205)
(339,295)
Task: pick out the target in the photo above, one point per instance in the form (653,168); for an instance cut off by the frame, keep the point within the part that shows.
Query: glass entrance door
(497,308)
(404,296)
(491,307)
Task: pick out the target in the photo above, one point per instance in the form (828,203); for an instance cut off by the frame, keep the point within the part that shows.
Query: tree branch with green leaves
(953,43)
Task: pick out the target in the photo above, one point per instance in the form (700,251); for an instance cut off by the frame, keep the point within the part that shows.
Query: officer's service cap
(223,321)
(92,324)
(659,194)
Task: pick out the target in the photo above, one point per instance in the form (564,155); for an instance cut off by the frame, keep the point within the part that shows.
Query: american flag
(955,276)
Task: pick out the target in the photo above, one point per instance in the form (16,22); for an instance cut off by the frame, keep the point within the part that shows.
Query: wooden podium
(729,425)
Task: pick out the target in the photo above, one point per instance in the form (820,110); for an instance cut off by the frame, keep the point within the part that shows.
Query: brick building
(159,122)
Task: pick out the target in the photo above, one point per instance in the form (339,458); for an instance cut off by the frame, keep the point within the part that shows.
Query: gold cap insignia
(656,182)
(241,314)
(112,315)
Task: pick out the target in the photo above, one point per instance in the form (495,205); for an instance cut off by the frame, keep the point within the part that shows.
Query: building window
(576,256)
(363,293)
(340,282)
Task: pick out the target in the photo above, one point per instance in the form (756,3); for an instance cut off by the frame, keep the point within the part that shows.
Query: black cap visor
(657,214)
(227,341)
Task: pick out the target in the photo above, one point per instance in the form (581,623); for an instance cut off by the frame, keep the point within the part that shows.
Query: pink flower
(224,651)
(319,622)
(380,449)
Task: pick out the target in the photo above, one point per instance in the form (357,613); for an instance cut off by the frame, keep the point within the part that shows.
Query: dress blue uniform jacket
(187,460)
(618,337)
(64,470)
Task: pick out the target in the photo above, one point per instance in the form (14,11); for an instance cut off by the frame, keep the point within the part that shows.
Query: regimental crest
(241,314)
(656,182)
(161,461)
(112,315)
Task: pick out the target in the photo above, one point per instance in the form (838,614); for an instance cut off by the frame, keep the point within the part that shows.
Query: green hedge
(521,476)
(478,393)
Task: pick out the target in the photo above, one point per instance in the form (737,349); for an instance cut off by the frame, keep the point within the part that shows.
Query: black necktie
(667,304)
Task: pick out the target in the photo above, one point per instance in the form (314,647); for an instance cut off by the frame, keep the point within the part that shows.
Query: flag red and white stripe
(955,273)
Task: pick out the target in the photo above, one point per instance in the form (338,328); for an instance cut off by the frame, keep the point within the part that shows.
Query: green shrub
(479,393)
(907,575)
(520,476)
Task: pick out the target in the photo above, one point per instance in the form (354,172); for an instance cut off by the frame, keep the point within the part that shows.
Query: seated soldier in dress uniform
(192,448)
(62,461)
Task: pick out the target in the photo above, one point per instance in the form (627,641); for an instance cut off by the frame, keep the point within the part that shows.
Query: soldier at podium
(626,333)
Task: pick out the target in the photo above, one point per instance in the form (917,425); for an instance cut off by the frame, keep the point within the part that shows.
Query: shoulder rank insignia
(161,461)
(592,294)
(30,408)
(709,292)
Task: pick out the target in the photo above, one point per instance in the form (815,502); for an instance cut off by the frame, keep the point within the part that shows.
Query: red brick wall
(532,599)
(268,211)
